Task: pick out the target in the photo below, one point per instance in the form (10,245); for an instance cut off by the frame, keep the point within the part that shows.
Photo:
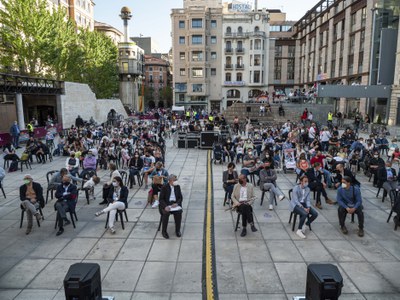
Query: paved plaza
(138,263)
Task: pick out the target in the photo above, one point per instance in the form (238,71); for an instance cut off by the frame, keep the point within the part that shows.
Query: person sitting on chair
(171,203)
(107,186)
(31,196)
(135,167)
(301,205)
(66,195)
(375,163)
(340,172)
(314,176)
(243,198)
(350,201)
(387,179)
(117,200)
(89,164)
(159,177)
(229,179)
(268,183)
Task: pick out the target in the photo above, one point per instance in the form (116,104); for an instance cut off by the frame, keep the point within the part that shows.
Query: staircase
(252,111)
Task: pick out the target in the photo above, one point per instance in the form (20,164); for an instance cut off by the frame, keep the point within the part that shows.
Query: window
(213,71)
(333,67)
(197,88)
(350,64)
(353,21)
(256,29)
(182,97)
(150,69)
(213,40)
(362,40)
(363,16)
(182,72)
(291,51)
(213,23)
(278,51)
(181,40)
(160,78)
(257,60)
(240,30)
(197,56)
(256,78)
(257,44)
(197,39)
(197,23)
(290,69)
(181,24)
(228,77)
(239,77)
(360,61)
(278,69)
(228,30)
(352,43)
(182,55)
(213,55)
(160,69)
(197,72)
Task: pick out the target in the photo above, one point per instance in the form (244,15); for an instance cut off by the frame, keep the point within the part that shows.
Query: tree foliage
(38,40)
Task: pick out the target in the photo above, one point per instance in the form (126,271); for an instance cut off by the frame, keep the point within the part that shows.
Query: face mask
(90,155)
(267,156)
(115,183)
(388,168)
(27,181)
(376,156)
(250,153)
(176,183)
(305,185)
(241,181)
(344,185)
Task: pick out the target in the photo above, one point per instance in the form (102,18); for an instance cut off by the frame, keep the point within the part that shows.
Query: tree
(166,94)
(38,41)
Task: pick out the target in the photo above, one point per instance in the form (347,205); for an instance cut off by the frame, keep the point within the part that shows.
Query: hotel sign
(240,6)
(234,83)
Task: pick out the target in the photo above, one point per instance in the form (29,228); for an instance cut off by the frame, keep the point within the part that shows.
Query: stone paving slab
(137,263)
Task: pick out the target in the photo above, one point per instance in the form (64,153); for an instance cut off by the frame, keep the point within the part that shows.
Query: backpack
(71,161)
(13,166)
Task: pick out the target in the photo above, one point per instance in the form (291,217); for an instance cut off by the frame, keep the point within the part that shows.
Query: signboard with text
(237,6)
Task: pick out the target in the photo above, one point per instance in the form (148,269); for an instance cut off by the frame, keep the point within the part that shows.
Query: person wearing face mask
(72,164)
(301,204)
(66,195)
(314,176)
(108,185)
(243,198)
(229,179)
(249,161)
(268,183)
(31,196)
(117,200)
(350,202)
(159,177)
(375,163)
(148,166)
(228,150)
(89,164)
(171,203)
(387,179)
(135,167)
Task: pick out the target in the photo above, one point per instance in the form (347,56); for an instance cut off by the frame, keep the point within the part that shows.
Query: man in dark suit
(67,195)
(316,184)
(31,196)
(171,203)
(340,173)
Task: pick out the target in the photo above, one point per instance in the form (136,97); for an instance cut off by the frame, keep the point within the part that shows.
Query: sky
(152,17)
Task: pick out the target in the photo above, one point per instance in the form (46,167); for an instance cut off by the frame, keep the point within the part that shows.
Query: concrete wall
(80,100)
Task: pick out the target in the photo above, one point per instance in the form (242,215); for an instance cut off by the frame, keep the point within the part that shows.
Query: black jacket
(71,198)
(38,190)
(123,195)
(136,164)
(166,193)
(311,175)
(348,173)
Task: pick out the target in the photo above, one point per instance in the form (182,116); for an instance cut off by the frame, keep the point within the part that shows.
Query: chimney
(255,5)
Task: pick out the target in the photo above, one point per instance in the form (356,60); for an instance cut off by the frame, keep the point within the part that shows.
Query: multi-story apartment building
(245,61)
(156,79)
(197,54)
(349,43)
(282,52)
(82,11)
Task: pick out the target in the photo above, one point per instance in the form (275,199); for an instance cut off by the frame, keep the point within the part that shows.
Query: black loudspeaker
(83,282)
(192,143)
(248,108)
(207,139)
(324,281)
(181,143)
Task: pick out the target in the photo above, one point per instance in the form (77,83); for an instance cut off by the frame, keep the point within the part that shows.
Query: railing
(29,85)
(228,50)
(228,66)
(239,66)
(240,50)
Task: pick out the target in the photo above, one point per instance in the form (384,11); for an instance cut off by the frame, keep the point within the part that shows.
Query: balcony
(239,50)
(234,83)
(228,66)
(228,51)
(239,66)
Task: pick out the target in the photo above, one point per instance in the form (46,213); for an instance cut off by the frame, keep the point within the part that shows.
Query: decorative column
(20,112)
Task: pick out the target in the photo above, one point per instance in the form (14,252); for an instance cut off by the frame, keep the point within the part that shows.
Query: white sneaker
(303,230)
(281,197)
(271,207)
(300,234)
(155,204)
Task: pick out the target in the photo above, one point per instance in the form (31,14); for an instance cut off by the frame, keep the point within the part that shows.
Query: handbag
(158,180)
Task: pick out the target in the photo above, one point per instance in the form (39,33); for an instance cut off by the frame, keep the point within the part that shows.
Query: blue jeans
(311,216)
(327,176)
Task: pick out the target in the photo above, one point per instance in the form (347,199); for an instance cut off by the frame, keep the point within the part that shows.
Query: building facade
(197,54)
(156,81)
(349,43)
(114,34)
(81,11)
(147,44)
(245,62)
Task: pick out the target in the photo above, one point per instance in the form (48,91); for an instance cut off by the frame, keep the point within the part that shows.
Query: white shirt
(172,197)
(243,194)
(311,133)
